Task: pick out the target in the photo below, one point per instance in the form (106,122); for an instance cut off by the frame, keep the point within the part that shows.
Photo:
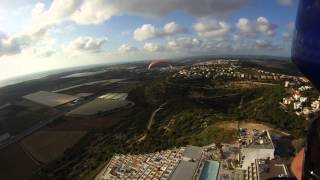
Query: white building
(286,101)
(304,88)
(297,105)
(315,105)
(303,99)
(286,84)
(296,96)
(262,149)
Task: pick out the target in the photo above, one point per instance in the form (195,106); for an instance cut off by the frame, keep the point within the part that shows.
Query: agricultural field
(10,169)
(83,124)
(46,146)
(99,105)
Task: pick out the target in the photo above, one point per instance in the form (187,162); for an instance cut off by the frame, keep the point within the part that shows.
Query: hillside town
(300,93)
(229,69)
(251,158)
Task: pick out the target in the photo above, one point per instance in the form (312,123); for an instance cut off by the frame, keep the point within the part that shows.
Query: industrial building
(50,99)
(185,170)
(189,164)
(210,170)
(99,106)
(271,168)
(259,146)
(256,145)
(115,96)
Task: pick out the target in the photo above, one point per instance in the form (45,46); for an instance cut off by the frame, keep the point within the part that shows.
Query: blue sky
(44,35)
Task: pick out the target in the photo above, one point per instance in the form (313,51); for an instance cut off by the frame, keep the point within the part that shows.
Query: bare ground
(15,163)
(46,146)
(249,125)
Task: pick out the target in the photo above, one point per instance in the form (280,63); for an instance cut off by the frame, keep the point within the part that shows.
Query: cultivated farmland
(46,146)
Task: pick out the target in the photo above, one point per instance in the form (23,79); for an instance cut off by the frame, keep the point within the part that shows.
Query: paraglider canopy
(158,63)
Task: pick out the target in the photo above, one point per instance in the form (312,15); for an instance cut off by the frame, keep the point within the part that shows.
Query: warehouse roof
(193,152)
(210,170)
(185,170)
(49,99)
(98,105)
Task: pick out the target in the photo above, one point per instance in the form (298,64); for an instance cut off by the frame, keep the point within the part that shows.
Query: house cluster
(228,69)
(301,104)
(157,165)
(251,158)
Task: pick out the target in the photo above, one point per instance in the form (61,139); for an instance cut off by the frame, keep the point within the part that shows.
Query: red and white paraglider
(159,63)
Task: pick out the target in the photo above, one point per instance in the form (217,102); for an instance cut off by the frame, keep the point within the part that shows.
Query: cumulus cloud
(221,45)
(36,32)
(244,25)
(10,45)
(148,31)
(285,2)
(97,11)
(126,48)
(261,26)
(152,47)
(173,28)
(86,45)
(209,28)
(184,43)
(40,51)
(267,45)
(265,27)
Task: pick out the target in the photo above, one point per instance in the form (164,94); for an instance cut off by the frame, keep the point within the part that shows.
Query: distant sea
(39,75)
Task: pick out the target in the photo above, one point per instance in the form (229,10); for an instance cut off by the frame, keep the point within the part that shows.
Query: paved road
(151,121)
(154,114)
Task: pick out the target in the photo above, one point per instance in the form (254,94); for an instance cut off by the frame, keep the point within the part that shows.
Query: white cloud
(98,11)
(184,43)
(173,28)
(36,32)
(221,45)
(267,45)
(265,27)
(156,8)
(13,44)
(152,47)
(95,11)
(126,48)
(39,51)
(38,10)
(86,45)
(285,2)
(148,31)
(209,28)
(261,26)
(244,25)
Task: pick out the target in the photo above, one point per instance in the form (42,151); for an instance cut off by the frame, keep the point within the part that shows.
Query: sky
(41,35)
